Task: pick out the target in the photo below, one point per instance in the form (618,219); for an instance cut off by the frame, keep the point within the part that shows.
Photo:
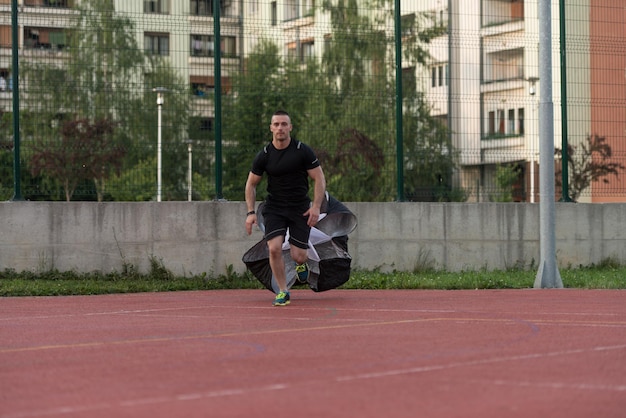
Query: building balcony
(503,66)
(498,12)
(62,4)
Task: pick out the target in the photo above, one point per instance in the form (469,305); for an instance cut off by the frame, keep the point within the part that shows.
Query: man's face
(280,127)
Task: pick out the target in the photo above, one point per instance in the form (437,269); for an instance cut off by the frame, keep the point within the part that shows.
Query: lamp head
(532,88)
(159,91)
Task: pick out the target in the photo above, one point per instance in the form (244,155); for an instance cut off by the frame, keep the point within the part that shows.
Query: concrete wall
(194,237)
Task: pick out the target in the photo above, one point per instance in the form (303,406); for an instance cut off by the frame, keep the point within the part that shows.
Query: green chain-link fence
(89,118)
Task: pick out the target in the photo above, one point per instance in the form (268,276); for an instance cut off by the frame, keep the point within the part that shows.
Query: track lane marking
(92,344)
(194,396)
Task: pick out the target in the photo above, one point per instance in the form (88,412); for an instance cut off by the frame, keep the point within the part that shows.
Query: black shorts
(277,220)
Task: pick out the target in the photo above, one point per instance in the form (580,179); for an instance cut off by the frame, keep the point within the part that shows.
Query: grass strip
(53,283)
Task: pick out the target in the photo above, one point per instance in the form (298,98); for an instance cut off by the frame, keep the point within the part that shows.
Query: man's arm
(319,190)
(251,183)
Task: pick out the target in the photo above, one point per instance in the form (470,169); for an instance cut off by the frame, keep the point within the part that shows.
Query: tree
(268,84)
(430,158)
(137,183)
(142,126)
(360,63)
(6,157)
(356,164)
(89,88)
(506,176)
(356,67)
(247,113)
(93,155)
(593,163)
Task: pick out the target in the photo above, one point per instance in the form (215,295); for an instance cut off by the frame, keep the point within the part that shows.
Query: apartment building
(181,31)
(606,22)
(484,79)
(493,92)
(41,37)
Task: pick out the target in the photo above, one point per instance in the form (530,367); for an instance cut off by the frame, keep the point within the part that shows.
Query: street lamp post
(532,90)
(160,98)
(189,172)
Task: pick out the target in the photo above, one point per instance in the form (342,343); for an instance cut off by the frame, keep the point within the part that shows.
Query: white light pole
(532,90)
(189,172)
(548,273)
(159,91)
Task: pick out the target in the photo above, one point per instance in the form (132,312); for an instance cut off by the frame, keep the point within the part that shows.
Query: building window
(438,18)
(295,9)
(202,86)
(254,6)
(500,12)
(5,36)
(156,6)
(308,50)
(33,38)
(156,43)
(201,89)
(228,46)
(200,7)
(505,65)
(45,3)
(442,22)
(409,81)
(274,14)
(501,122)
(510,129)
(44,38)
(408,25)
(5,80)
(328,38)
(202,46)
(517,9)
(205,7)
(308,7)
(291,9)
(292,51)
(439,75)
(200,127)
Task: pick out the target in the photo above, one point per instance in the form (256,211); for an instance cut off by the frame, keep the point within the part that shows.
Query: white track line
(361,376)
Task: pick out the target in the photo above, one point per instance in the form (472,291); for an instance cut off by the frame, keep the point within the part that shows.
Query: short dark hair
(281,112)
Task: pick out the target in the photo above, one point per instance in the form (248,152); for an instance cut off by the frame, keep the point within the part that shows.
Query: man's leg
(299,238)
(277,264)
(299,255)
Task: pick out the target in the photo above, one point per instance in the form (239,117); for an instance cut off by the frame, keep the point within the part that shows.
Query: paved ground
(342,353)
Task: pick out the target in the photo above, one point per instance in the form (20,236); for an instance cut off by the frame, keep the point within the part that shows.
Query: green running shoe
(302,272)
(281,299)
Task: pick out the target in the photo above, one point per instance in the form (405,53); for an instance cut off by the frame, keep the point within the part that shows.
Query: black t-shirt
(288,180)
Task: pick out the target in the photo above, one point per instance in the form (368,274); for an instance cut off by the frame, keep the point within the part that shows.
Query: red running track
(342,353)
